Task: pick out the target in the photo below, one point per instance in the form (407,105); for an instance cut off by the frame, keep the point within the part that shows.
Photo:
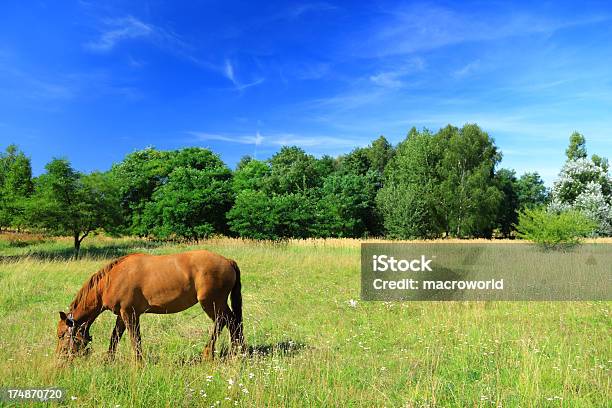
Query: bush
(554,230)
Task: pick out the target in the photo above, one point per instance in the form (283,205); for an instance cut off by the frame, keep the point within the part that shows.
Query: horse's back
(169,283)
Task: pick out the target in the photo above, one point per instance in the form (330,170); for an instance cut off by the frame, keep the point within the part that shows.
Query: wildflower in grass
(352,303)
(73,398)
(244,390)
(230,382)
(251,375)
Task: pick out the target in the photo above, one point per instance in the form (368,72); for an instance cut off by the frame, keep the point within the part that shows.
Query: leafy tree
(469,196)
(577,147)
(507,213)
(346,206)
(195,158)
(372,158)
(356,162)
(138,176)
(408,200)
(191,204)
(244,160)
(252,216)
(600,162)
(293,171)
(531,191)
(442,183)
(380,152)
(253,175)
(66,202)
(259,215)
(584,185)
(554,230)
(15,186)
(326,166)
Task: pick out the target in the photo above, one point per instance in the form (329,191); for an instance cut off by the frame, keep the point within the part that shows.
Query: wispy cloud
(394,78)
(228,70)
(467,69)
(425,26)
(282,139)
(30,85)
(229,73)
(117,30)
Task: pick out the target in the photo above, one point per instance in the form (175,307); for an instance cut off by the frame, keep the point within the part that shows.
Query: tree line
(442,184)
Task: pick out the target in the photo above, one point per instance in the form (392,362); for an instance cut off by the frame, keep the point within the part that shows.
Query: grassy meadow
(311,345)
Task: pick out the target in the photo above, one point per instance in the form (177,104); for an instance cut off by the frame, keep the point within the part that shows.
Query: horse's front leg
(116,336)
(132,323)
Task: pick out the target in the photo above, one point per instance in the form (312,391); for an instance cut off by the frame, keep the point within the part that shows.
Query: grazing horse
(140,283)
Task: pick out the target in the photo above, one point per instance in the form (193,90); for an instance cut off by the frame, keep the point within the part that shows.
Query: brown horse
(139,283)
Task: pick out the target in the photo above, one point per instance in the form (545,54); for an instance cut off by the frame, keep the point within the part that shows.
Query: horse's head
(72,337)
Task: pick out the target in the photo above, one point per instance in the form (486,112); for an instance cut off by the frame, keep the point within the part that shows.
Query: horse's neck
(89,308)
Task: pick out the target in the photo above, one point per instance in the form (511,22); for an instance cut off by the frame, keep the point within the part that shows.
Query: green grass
(316,350)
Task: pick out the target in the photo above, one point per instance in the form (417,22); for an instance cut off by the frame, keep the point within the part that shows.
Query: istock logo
(384,263)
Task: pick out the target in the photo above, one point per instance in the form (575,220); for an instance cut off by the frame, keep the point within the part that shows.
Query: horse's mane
(94,280)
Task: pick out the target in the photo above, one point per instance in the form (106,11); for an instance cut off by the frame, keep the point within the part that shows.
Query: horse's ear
(68,319)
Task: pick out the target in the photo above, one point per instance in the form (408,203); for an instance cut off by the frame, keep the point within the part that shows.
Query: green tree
(375,158)
(293,171)
(531,191)
(469,195)
(357,161)
(138,175)
(346,206)
(15,186)
(259,215)
(66,202)
(584,185)
(253,175)
(380,152)
(507,213)
(244,160)
(577,147)
(554,230)
(442,183)
(252,216)
(191,204)
(408,201)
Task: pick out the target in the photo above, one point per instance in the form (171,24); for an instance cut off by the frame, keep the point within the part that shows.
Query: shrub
(554,230)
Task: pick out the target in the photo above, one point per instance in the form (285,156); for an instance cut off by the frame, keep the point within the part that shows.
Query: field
(311,345)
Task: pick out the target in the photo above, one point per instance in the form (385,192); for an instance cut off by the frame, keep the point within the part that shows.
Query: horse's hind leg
(132,322)
(220,316)
(116,336)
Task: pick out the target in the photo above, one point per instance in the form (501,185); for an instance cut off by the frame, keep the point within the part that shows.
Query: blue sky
(93,82)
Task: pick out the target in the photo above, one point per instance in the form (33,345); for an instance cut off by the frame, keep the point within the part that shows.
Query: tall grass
(313,347)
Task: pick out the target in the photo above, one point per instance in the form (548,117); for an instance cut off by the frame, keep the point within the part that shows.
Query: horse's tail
(237,303)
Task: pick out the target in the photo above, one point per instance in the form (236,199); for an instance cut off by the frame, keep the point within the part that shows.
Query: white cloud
(424,26)
(229,73)
(118,30)
(282,139)
(387,80)
(467,69)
